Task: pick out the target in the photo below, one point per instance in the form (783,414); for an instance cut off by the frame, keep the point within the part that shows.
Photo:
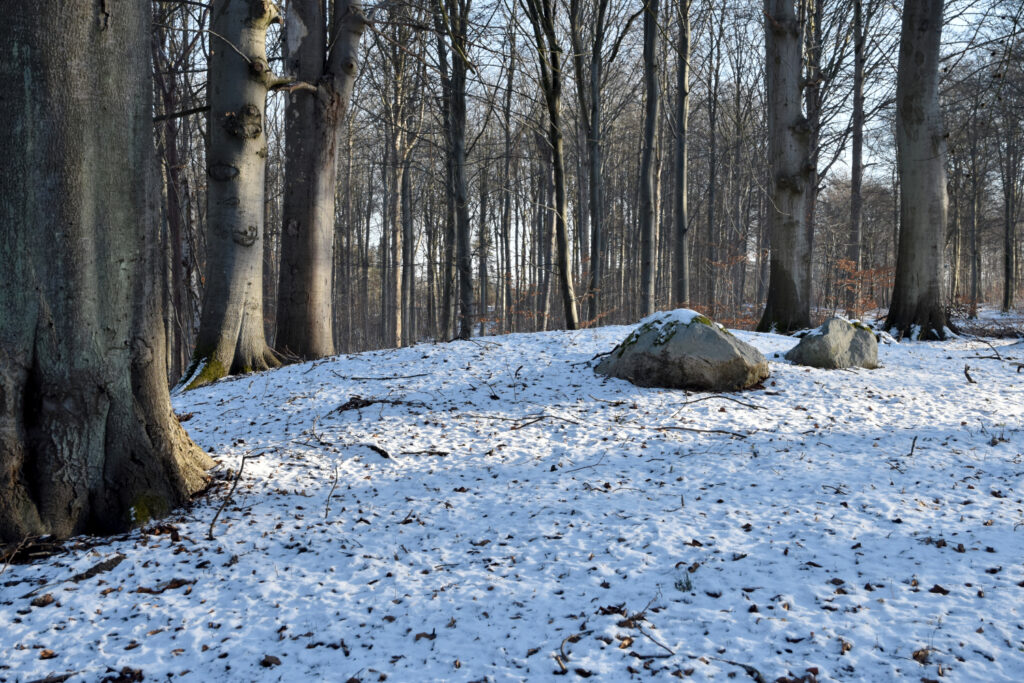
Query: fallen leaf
(43,600)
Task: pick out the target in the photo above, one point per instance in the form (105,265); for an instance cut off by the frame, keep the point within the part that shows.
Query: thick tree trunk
(788,305)
(88,442)
(652,115)
(916,308)
(681,272)
(231,337)
(313,121)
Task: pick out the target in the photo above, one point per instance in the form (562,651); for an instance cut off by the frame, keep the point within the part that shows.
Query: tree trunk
(549,54)
(313,121)
(916,308)
(88,442)
(681,273)
(853,299)
(652,114)
(231,337)
(788,305)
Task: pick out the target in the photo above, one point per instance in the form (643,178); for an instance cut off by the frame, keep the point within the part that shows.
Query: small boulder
(838,343)
(683,349)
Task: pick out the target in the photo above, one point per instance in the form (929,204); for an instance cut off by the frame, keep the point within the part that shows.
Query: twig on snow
(227,499)
(751,671)
(701,431)
(327,506)
(724,398)
(967,374)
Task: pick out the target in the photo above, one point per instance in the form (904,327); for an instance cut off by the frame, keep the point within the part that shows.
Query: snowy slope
(492,510)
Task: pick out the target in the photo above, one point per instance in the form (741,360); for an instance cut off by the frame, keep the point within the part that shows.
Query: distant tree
(916,308)
(322,51)
(549,58)
(88,442)
(788,305)
(649,208)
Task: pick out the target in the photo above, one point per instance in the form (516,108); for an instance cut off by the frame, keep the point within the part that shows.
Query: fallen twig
(666,648)
(9,556)
(533,419)
(227,499)
(751,671)
(967,374)
(379,379)
(724,398)
(327,506)
(701,431)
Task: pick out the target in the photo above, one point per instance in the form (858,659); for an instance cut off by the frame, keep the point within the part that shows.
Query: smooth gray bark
(681,273)
(788,305)
(327,60)
(88,442)
(652,115)
(916,308)
(231,337)
(549,54)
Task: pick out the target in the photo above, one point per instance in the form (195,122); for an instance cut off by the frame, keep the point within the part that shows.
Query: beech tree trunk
(549,54)
(788,305)
(648,205)
(327,60)
(88,442)
(231,336)
(681,273)
(853,299)
(916,308)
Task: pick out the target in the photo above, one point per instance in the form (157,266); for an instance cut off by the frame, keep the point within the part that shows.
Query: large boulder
(682,349)
(838,343)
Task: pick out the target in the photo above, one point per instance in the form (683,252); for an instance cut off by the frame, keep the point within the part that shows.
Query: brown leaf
(269,661)
(43,600)
(424,634)
(938,589)
(47,654)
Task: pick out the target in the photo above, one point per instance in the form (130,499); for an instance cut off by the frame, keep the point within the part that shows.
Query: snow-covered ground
(492,510)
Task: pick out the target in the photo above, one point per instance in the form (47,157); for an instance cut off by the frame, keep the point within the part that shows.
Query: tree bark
(652,115)
(231,336)
(549,54)
(788,305)
(681,273)
(327,60)
(916,309)
(88,442)
(853,300)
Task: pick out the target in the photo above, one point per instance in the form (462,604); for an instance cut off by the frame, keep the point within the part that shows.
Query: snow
(863,525)
(679,316)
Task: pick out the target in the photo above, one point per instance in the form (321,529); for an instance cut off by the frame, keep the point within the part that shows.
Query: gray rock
(838,343)
(684,350)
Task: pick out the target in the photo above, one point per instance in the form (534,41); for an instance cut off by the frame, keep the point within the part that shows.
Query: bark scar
(104,15)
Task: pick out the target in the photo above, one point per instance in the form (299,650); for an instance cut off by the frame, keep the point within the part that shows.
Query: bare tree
(788,306)
(231,335)
(88,442)
(648,167)
(549,56)
(916,308)
(323,52)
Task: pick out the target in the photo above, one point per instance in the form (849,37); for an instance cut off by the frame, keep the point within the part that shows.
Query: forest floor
(492,510)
